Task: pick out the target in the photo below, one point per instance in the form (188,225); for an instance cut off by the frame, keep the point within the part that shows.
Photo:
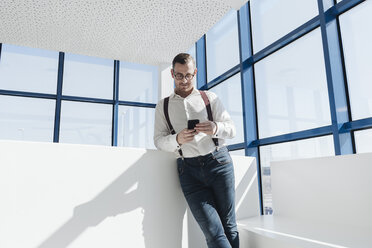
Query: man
(205,167)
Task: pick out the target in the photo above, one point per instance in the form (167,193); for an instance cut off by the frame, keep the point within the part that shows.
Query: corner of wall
(165,81)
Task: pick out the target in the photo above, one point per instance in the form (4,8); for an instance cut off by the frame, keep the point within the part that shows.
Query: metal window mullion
(284,41)
(337,91)
(201,61)
(361,124)
(248,92)
(57,117)
(237,146)
(115,106)
(27,94)
(223,77)
(344,135)
(137,104)
(86,99)
(289,137)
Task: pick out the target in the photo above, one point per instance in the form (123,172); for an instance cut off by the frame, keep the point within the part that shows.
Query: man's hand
(207,127)
(185,136)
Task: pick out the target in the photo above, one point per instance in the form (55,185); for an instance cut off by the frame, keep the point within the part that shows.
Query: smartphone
(191,123)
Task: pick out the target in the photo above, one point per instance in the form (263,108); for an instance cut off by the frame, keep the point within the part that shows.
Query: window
(358,53)
(240,152)
(273,19)
(308,148)
(192,52)
(363,140)
(88,76)
(291,88)
(28,69)
(230,94)
(86,123)
(222,46)
(23,118)
(138,83)
(136,127)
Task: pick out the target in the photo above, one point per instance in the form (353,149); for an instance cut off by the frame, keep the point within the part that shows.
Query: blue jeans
(208,184)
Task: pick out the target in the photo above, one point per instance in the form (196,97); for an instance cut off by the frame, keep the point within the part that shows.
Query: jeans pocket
(223,157)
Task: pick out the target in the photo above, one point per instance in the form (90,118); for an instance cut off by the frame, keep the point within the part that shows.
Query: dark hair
(183,58)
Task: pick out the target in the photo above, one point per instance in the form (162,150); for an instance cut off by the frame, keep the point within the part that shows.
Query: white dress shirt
(191,107)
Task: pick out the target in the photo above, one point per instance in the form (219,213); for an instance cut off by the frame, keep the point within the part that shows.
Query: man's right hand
(185,136)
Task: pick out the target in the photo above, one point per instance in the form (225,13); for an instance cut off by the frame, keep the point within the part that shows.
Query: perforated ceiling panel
(149,32)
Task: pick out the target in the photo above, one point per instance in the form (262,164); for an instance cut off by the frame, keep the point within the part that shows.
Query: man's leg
(224,195)
(201,202)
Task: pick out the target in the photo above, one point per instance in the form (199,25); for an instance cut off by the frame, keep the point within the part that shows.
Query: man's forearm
(167,143)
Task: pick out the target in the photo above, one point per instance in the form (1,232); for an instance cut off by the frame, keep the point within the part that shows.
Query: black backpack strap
(166,114)
(209,111)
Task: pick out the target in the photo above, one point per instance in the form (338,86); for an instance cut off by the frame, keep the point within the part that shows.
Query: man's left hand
(207,127)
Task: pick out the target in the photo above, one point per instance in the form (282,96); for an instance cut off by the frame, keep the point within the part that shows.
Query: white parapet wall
(80,196)
(335,190)
(318,203)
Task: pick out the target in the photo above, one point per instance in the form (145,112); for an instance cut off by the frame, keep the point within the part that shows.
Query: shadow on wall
(246,193)
(163,206)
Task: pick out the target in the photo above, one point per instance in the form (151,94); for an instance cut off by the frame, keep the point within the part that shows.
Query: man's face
(188,74)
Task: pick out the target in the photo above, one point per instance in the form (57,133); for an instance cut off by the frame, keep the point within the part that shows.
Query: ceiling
(147,32)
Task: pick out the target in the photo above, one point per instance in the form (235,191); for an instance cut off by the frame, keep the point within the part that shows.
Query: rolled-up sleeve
(163,140)
(225,126)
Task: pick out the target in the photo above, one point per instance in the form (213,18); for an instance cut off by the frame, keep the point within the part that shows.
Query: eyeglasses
(180,76)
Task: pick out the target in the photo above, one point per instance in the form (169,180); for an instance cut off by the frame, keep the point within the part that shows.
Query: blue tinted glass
(136,127)
(240,152)
(192,51)
(138,83)
(88,76)
(28,69)
(23,118)
(229,92)
(363,140)
(272,20)
(356,42)
(86,123)
(222,46)
(291,88)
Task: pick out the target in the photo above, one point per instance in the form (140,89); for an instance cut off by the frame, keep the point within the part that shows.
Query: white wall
(62,195)
(166,83)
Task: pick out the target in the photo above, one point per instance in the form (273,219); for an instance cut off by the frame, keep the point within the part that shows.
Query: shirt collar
(193,92)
